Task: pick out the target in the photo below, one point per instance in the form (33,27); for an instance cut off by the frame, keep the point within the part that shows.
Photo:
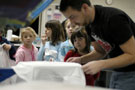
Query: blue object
(42,6)
(21,12)
(5,73)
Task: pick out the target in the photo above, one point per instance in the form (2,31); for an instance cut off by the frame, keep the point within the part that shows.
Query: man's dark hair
(75,4)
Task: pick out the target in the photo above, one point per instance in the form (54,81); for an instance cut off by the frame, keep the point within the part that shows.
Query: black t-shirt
(111,28)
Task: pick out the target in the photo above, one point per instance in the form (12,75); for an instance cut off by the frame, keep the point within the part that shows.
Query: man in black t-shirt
(112,33)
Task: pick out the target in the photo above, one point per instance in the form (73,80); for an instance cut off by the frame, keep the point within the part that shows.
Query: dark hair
(80,32)
(57,31)
(75,4)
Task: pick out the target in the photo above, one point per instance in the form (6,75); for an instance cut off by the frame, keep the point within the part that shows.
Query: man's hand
(74,59)
(93,67)
(6,47)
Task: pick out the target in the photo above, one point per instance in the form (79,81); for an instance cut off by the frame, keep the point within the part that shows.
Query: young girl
(67,45)
(81,43)
(27,51)
(51,42)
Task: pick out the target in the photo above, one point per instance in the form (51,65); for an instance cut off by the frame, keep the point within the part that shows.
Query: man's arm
(127,58)
(96,54)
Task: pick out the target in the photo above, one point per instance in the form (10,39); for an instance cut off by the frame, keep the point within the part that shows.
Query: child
(7,45)
(81,43)
(27,51)
(67,45)
(51,42)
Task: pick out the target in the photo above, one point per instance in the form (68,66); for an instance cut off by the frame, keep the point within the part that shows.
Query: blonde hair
(66,22)
(25,30)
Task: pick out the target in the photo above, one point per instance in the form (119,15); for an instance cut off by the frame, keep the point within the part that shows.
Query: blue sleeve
(12,50)
(60,53)
(41,53)
(62,49)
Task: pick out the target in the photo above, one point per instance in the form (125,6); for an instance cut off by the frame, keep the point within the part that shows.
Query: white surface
(9,34)
(51,71)
(36,45)
(40,85)
(5,62)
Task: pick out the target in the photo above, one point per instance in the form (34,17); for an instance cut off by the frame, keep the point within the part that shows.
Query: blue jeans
(123,80)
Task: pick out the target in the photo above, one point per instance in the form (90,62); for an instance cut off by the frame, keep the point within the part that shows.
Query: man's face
(76,17)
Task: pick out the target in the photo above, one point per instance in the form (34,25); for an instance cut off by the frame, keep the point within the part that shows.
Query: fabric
(21,12)
(115,24)
(46,85)
(90,79)
(49,51)
(121,80)
(5,73)
(69,73)
(24,54)
(5,62)
(65,47)
(12,51)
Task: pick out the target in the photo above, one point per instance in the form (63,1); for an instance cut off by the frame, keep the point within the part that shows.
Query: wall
(44,19)
(126,5)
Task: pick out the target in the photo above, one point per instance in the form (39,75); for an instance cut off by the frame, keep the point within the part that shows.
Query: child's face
(80,43)
(28,38)
(48,32)
(70,29)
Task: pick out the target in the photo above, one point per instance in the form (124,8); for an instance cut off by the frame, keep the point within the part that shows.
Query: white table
(42,85)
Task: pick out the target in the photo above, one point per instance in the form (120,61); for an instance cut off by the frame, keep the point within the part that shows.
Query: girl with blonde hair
(27,51)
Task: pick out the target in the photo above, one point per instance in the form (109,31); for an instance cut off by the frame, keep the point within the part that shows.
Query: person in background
(112,33)
(81,43)
(67,45)
(51,42)
(7,45)
(27,51)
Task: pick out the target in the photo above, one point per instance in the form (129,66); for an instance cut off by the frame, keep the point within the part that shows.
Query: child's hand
(44,39)
(7,47)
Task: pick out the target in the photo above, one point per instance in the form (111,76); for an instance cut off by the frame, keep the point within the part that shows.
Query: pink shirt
(24,54)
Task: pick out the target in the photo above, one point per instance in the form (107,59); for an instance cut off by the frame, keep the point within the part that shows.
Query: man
(112,33)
